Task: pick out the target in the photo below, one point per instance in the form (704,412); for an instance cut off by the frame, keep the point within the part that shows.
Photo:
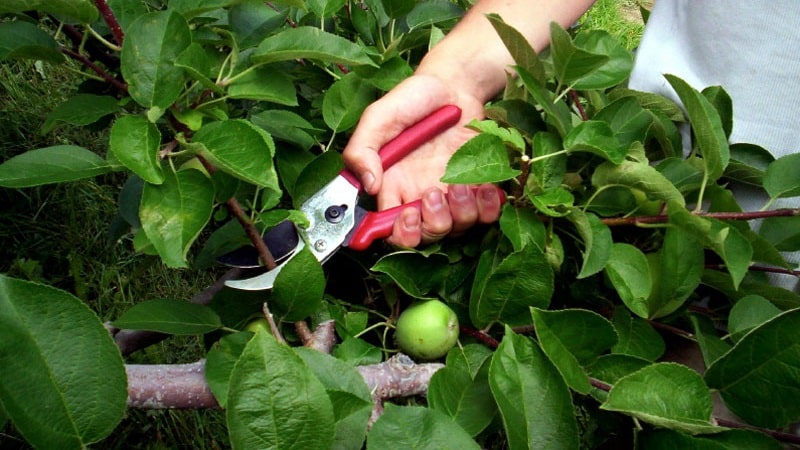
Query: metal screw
(320,245)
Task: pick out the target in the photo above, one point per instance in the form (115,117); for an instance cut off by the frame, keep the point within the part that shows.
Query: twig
(122,87)
(577,101)
(276,331)
(481,336)
(252,232)
(663,218)
(757,268)
(111,20)
(779,435)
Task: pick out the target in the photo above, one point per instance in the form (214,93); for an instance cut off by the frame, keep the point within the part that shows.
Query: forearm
(473,57)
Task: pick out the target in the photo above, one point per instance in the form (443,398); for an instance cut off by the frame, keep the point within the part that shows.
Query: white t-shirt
(750,48)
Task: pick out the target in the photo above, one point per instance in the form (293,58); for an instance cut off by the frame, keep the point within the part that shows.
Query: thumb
(362,159)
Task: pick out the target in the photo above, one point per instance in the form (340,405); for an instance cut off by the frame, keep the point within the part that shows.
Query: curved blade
(281,240)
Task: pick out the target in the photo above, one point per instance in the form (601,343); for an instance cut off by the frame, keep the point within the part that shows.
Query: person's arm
(466,68)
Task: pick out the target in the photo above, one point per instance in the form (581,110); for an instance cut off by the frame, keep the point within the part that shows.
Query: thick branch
(182,386)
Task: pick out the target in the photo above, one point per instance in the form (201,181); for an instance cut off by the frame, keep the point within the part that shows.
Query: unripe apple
(427,329)
(257,324)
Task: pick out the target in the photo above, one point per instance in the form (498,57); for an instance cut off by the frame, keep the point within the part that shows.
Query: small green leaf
(596,137)
(220,360)
(461,389)
(614,71)
(251,22)
(23,40)
(629,273)
(325,8)
(636,336)
(169,316)
(135,142)
(82,11)
(535,403)
(748,163)
(782,232)
(309,43)
(749,312)
(506,290)
(597,242)
(264,84)
(417,427)
(711,344)
(524,55)
(62,380)
(557,112)
(554,202)
(664,394)
(627,119)
(510,136)
(757,378)
(276,401)
(287,126)
(299,287)
(572,338)
(49,165)
(676,269)
(610,368)
(522,227)
(707,127)
(240,149)
(416,274)
(571,63)
(80,109)
(174,213)
(482,159)
(782,178)
(661,439)
(152,44)
(637,175)
(345,100)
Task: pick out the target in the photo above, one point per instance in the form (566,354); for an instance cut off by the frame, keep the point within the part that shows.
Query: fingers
(446,214)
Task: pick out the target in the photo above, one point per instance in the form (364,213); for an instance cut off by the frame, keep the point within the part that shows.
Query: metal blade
(281,240)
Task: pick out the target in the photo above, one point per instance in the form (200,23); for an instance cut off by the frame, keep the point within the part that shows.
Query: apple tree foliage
(612,243)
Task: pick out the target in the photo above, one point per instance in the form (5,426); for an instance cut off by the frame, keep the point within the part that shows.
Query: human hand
(417,176)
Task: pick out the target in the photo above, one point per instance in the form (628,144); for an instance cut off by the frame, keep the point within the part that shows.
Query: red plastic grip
(379,225)
(411,138)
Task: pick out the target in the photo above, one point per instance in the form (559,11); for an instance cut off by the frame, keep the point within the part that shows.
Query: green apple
(427,329)
(257,324)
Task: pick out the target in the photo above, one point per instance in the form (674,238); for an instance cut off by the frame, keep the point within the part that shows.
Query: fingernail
(459,192)
(411,221)
(367,180)
(434,200)
(489,195)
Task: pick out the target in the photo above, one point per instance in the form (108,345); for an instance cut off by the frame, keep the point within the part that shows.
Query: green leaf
(757,378)
(430,12)
(636,336)
(80,109)
(712,347)
(309,43)
(637,175)
(264,84)
(627,119)
(572,338)
(749,312)
(135,142)
(62,380)
(82,11)
(782,178)
(610,368)
(522,227)
(23,40)
(524,55)
(506,290)
(325,8)
(415,427)
(315,175)
(287,126)
(748,163)
(614,71)
(535,403)
(345,100)
(240,149)
(299,287)
(629,273)
(482,159)
(742,439)
(554,202)
(174,213)
(461,389)
(48,165)
(558,113)
(416,274)
(126,11)
(276,401)
(220,360)
(664,394)
(676,270)
(169,316)
(707,127)
(596,137)
(570,62)
(193,8)
(199,64)
(251,22)
(597,242)
(660,439)
(782,232)
(349,394)
(510,136)
(152,44)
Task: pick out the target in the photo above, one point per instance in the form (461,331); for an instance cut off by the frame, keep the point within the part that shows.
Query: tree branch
(111,20)
(122,87)
(663,218)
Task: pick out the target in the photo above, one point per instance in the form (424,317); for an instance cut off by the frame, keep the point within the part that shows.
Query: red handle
(411,138)
(378,225)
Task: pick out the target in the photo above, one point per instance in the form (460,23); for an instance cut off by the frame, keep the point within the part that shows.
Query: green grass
(618,17)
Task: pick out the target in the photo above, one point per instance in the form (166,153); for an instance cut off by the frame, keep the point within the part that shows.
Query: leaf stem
(104,41)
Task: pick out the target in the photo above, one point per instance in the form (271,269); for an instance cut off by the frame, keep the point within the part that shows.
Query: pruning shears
(335,218)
